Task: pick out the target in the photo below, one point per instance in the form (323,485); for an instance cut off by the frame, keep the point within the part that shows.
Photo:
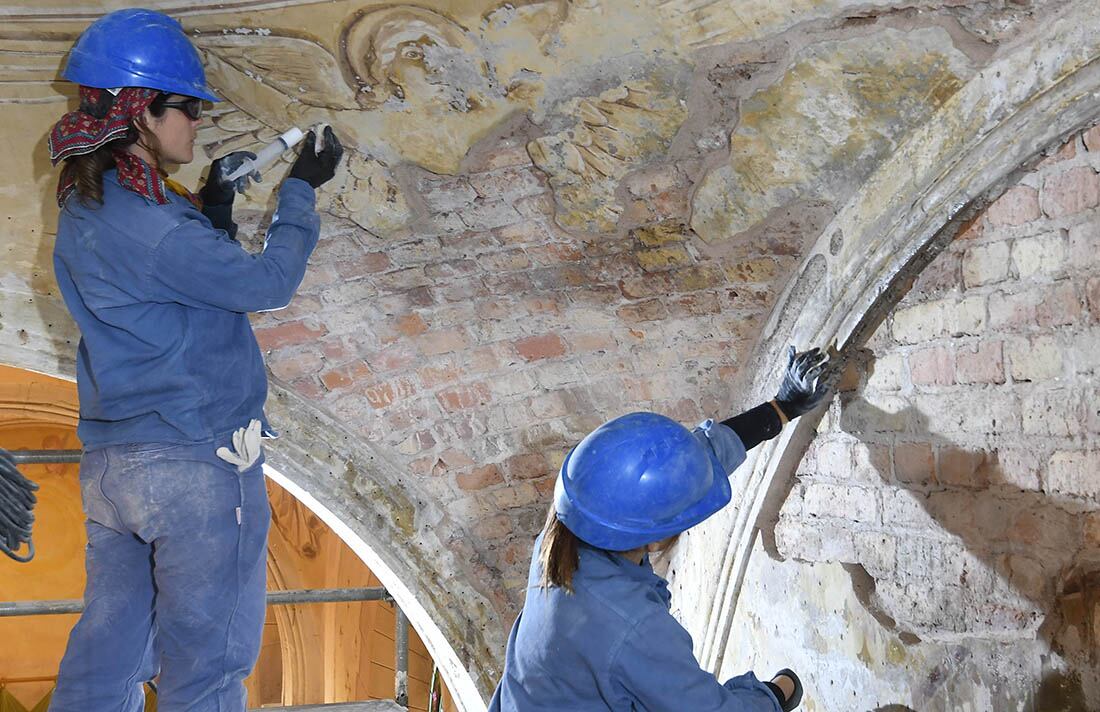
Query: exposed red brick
(594,341)
(398,357)
(509,261)
(290,333)
(334,350)
(932,367)
(539,347)
(496,527)
(308,388)
(1017,206)
(1071,192)
(962,468)
(431,376)
(485,358)
(411,325)
(554,253)
(668,204)
(1092,292)
(479,478)
(551,278)
(462,397)
(982,363)
(693,279)
(525,466)
(346,375)
(1065,152)
(943,274)
(291,366)
(1092,138)
(913,463)
(380,395)
(973,229)
(542,305)
(441,342)
(300,307)
(367,263)
(454,459)
(1091,525)
(520,495)
(651,285)
(650,310)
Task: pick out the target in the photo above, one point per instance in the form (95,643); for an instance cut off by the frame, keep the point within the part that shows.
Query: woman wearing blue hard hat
(171,381)
(595,633)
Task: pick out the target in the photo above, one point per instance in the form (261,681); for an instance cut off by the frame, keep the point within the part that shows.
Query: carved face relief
(417,57)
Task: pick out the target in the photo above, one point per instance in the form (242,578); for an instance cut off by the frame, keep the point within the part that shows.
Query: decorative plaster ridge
(906,213)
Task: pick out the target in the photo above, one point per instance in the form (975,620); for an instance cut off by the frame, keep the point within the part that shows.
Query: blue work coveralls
(167,369)
(612,644)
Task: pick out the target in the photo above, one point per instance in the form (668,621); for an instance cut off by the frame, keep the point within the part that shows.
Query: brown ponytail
(86,171)
(559,553)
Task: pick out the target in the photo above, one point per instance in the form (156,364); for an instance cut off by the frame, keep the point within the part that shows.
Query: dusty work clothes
(167,369)
(161,298)
(612,644)
(176,561)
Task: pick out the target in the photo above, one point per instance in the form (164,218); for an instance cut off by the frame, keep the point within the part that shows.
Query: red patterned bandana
(89,127)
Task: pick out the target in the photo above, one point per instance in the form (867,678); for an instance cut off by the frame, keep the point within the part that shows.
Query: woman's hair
(87,170)
(558,555)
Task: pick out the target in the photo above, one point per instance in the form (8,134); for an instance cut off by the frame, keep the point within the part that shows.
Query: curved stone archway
(997,126)
(456,334)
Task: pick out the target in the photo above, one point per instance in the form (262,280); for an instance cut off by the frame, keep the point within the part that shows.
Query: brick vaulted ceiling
(554,212)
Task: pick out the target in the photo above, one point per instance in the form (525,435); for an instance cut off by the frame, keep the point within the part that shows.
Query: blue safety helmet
(138,48)
(638,479)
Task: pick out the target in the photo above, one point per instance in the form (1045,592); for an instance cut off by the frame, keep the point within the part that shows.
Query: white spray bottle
(267,155)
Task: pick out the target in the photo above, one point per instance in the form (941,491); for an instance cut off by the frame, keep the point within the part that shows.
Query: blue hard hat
(138,48)
(638,479)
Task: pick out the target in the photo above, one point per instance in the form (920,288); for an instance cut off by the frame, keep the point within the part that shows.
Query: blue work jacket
(161,298)
(612,644)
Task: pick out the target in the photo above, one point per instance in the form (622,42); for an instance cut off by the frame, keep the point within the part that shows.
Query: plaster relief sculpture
(405,84)
(618,131)
(839,110)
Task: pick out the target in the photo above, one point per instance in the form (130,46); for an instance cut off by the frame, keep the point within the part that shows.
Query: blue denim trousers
(176,581)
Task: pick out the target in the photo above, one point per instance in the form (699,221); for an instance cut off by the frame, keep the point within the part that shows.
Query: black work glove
(219,190)
(318,168)
(795,699)
(797,394)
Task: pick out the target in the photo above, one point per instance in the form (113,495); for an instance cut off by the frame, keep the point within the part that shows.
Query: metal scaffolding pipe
(44,457)
(274,598)
(401,638)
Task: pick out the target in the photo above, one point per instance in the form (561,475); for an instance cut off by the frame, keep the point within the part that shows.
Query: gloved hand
(218,189)
(318,167)
(787,704)
(246,447)
(797,394)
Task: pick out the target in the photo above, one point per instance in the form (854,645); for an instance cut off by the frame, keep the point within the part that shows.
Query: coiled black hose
(17,500)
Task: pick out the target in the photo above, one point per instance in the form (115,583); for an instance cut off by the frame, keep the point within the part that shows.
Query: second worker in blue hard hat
(171,380)
(596,634)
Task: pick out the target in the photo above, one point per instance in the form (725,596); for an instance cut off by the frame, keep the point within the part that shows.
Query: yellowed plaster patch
(618,131)
(839,109)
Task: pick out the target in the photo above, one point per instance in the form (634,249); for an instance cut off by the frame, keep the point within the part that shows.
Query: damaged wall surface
(543,223)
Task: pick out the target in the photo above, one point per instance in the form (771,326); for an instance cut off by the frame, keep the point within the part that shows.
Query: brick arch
(917,202)
(427,386)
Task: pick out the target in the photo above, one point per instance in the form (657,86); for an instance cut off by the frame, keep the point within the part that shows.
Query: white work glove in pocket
(246,447)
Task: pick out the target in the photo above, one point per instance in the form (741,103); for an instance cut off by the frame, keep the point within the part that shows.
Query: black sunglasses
(191,106)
